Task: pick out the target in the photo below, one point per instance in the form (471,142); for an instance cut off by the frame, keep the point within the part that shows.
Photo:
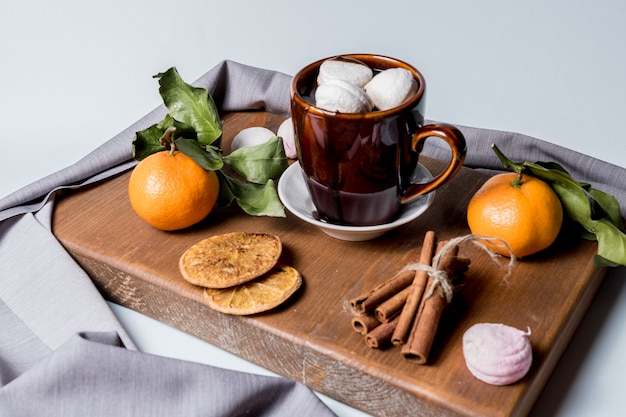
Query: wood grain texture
(310,338)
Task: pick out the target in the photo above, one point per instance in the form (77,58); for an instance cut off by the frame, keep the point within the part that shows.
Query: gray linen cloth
(63,352)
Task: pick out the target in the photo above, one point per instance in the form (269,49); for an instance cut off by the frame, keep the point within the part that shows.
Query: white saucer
(294,194)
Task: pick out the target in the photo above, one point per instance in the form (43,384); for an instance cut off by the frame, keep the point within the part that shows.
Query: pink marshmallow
(497,354)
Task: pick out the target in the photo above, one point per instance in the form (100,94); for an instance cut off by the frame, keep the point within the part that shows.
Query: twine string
(440,277)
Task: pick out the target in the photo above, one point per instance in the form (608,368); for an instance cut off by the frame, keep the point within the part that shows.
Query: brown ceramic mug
(358,166)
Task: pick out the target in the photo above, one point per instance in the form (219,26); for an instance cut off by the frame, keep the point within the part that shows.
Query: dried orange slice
(258,295)
(230,259)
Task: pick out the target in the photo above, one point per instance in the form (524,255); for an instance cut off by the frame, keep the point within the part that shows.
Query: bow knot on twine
(441,277)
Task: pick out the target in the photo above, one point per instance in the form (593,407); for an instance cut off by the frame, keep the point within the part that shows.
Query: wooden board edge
(320,372)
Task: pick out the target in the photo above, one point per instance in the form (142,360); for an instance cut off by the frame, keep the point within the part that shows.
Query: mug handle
(455,139)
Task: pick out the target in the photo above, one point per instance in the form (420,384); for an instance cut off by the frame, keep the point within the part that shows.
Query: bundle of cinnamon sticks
(406,309)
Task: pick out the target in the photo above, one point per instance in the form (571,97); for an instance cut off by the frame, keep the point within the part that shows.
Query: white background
(73,74)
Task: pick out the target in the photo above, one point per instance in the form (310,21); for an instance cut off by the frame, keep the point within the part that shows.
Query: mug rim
(312,108)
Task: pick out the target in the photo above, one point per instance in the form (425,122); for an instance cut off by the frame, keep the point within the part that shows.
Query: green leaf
(609,205)
(181,129)
(552,166)
(581,205)
(209,160)
(259,163)
(603,205)
(611,244)
(254,199)
(191,106)
(147,142)
(166,123)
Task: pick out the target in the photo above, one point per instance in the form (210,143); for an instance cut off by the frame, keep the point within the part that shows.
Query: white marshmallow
(286,131)
(391,88)
(251,136)
(341,69)
(342,96)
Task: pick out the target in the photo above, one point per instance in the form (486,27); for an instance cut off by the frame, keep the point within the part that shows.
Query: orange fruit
(527,216)
(171,191)
(261,294)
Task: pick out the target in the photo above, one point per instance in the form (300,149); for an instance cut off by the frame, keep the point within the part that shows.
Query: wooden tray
(310,338)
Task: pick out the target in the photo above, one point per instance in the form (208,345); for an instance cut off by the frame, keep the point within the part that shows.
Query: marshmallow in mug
(350,87)
(351,71)
(342,96)
(391,87)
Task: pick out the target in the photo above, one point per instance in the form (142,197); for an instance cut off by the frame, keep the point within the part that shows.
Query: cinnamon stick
(389,309)
(382,292)
(418,285)
(422,335)
(381,334)
(364,323)
(461,264)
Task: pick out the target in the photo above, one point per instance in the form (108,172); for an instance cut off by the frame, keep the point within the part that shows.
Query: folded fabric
(63,352)
(92,374)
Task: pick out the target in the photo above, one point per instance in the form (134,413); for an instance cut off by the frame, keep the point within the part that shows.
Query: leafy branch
(194,127)
(597,212)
